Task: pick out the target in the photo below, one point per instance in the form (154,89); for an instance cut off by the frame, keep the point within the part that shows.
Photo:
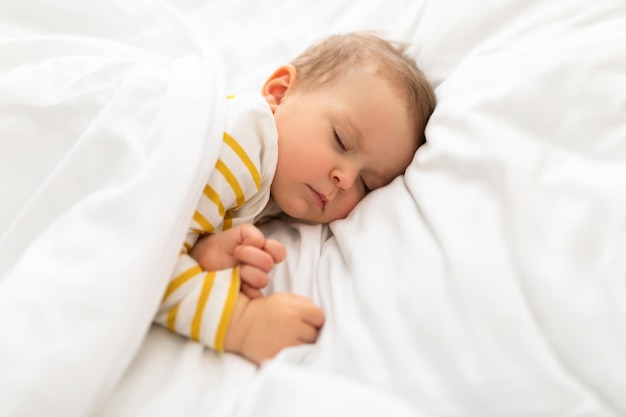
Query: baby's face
(338,142)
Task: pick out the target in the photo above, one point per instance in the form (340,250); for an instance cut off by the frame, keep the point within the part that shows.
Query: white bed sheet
(489,280)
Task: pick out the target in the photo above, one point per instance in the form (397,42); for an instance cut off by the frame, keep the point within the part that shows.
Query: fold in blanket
(105,148)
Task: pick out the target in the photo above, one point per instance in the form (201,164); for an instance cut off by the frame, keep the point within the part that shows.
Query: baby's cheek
(350,202)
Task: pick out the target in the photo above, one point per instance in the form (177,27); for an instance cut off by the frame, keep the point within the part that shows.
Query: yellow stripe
(196,324)
(171,318)
(234,184)
(204,223)
(215,198)
(181,279)
(229,306)
(230,96)
(228,222)
(187,246)
(241,153)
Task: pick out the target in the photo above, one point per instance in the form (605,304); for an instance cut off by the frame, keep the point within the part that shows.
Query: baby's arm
(243,245)
(198,303)
(260,326)
(203,301)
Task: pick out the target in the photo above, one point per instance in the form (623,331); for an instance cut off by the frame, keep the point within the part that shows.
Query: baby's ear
(278,84)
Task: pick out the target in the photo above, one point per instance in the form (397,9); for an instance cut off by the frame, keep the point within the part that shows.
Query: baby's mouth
(320,198)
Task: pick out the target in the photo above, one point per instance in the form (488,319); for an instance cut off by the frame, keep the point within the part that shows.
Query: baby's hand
(243,245)
(261,327)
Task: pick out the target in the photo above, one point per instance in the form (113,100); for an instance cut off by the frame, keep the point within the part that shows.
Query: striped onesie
(197,303)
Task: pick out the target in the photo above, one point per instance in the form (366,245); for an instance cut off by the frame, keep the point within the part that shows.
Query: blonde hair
(325,61)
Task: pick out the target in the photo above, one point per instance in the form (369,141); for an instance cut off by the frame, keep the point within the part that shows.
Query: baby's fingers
(276,249)
(313,315)
(250,291)
(308,334)
(250,235)
(253,277)
(255,257)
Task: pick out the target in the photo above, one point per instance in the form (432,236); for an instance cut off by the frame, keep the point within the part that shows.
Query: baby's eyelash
(339,141)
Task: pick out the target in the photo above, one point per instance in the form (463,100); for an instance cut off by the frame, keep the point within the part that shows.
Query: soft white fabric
(489,281)
(104,146)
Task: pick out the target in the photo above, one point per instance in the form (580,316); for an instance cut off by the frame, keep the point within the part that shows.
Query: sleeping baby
(344,118)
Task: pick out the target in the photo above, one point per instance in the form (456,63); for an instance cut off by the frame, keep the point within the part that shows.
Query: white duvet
(490,280)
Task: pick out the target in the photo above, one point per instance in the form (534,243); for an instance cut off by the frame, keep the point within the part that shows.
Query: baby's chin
(317,219)
(304,218)
(302,214)
(303,211)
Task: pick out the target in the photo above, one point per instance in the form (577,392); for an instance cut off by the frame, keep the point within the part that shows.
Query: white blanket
(105,145)
(490,280)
